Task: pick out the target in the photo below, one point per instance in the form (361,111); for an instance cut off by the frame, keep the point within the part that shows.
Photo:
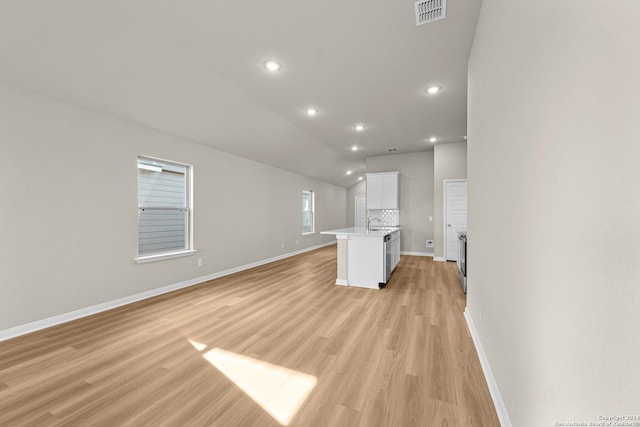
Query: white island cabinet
(366,258)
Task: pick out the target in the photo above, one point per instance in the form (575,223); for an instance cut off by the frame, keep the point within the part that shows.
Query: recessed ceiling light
(311,111)
(433,90)
(360,178)
(433,139)
(359,127)
(272,65)
(354,148)
(348,172)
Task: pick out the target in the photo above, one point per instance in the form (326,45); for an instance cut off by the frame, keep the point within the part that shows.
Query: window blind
(163,207)
(307,211)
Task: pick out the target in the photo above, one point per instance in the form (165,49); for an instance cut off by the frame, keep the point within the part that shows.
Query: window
(307,212)
(164,209)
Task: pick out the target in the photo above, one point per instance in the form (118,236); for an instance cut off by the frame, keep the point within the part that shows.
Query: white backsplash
(388,217)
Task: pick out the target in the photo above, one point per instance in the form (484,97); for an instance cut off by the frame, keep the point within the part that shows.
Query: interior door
(455,216)
(360,219)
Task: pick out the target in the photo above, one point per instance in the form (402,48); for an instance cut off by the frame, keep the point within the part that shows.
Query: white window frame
(188,206)
(313,212)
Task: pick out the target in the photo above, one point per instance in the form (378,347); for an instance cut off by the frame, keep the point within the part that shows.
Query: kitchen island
(366,258)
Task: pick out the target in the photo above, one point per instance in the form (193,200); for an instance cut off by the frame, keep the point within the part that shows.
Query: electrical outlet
(282,245)
(200,262)
(296,242)
(429,243)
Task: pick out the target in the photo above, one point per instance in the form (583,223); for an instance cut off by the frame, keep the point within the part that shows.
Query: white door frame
(444,213)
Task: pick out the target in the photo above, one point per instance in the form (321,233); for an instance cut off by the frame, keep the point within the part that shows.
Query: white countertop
(362,231)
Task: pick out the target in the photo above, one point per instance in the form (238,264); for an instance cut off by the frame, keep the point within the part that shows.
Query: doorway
(455,215)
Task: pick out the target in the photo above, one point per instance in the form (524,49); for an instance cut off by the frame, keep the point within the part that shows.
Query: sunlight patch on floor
(198,345)
(278,390)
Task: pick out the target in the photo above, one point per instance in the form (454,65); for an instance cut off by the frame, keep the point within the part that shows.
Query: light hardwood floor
(401,356)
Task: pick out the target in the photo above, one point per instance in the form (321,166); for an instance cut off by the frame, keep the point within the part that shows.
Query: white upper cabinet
(374,191)
(382,190)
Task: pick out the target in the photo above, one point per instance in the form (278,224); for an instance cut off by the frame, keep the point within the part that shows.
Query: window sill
(165,255)
(309,234)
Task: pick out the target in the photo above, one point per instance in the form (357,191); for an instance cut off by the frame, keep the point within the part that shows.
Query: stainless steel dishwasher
(388,263)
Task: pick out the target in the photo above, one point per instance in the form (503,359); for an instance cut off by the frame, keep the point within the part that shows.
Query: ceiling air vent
(430,10)
(392,150)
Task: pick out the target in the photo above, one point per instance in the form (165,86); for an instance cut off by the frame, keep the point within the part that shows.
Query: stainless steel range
(462,259)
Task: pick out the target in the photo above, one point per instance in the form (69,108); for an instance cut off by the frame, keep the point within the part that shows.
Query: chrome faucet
(369,219)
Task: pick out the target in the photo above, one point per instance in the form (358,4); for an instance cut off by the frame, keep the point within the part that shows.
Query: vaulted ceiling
(194,69)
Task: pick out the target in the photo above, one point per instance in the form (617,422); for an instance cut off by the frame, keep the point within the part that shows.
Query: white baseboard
(416,253)
(342,282)
(94,309)
(498,403)
(439,258)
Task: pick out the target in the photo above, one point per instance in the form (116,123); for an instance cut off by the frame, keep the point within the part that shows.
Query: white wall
(554,229)
(450,162)
(416,195)
(68,215)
